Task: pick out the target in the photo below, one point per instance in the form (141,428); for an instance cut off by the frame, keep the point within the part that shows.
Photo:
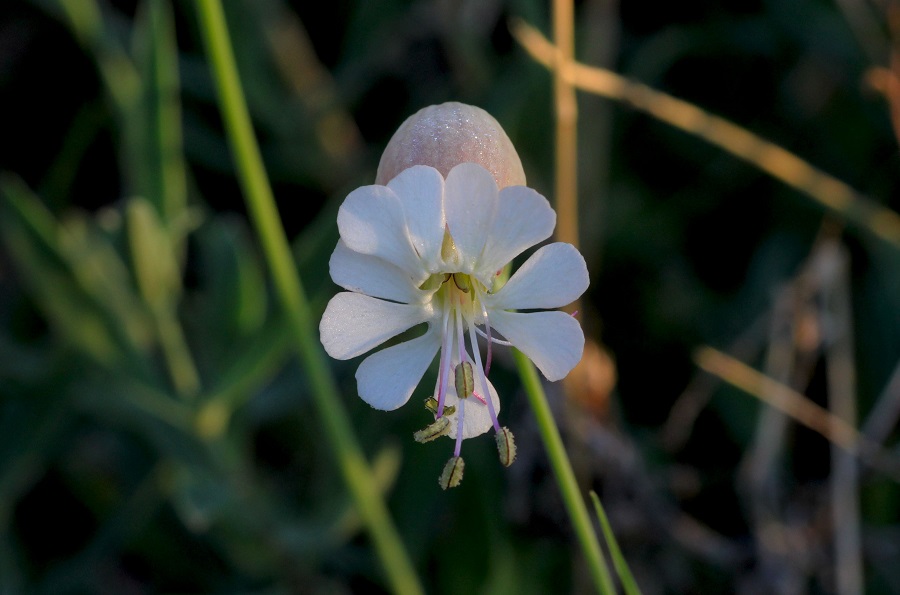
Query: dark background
(686,246)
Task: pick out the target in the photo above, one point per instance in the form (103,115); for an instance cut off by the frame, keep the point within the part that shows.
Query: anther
(465,380)
(433,431)
(506,446)
(453,473)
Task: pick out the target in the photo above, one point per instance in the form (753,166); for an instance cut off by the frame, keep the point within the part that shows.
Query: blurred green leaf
(162,173)
(77,277)
(152,253)
(234,300)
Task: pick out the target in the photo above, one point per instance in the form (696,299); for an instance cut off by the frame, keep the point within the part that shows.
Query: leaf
(76,277)
(162,177)
(153,257)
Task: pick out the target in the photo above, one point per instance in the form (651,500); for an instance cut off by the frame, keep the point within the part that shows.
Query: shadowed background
(158,437)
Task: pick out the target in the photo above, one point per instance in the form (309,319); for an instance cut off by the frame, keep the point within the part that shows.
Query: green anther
(465,380)
(431,404)
(462,282)
(506,446)
(453,473)
(433,431)
(435,281)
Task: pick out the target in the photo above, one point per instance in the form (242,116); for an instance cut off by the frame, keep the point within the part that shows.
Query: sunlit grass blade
(625,577)
(565,477)
(261,205)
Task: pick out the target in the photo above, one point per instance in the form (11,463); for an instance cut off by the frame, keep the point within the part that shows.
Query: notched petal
(387,379)
(554,341)
(354,323)
(523,219)
(373,276)
(554,276)
(470,199)
(371,221)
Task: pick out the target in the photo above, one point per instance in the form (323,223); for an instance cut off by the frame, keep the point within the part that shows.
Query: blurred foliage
(156,434)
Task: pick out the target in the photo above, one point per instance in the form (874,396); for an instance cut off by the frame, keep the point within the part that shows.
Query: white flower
(428,250)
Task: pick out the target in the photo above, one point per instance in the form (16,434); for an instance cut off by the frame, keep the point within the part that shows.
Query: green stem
(261,204)
(565,477)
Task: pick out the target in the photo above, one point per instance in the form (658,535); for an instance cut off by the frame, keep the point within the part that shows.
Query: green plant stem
(565,477)
(264,214)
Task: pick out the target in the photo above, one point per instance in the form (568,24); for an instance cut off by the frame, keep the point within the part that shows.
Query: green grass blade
(261,205)
(156,56)
(625,577)
(565,477)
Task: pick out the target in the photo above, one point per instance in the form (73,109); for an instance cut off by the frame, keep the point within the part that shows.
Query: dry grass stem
(797,406)
(779,163)
(566,125)
(841,375)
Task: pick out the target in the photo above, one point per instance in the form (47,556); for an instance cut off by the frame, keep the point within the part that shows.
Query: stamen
(444,374)
(433,431)
(506,446)
(452,474)
(494,340)
(462,282)
(484,384)
(487,328)
(479,397)
(459,334)
(465,380)
(459,427)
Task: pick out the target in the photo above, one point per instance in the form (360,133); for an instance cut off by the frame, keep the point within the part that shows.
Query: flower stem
(261,205)
(565,477)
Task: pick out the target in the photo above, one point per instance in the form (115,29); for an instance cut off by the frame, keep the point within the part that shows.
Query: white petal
(354,323)
(555,275)
(421,191)
(477,419)
(470,198)
(371,222)
(523,219)
(372,276)
(554,341)
(387,379)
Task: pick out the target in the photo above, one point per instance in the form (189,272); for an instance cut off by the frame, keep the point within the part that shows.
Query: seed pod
(432,431)
(453,473)
(445,135)
(465,380)
(506,446)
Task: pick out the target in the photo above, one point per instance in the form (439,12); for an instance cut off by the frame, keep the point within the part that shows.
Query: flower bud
(443,136)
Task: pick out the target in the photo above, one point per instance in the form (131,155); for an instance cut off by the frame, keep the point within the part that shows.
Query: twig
(883,416)
(566,121)
(841,375)
(798,406)
(779,163)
